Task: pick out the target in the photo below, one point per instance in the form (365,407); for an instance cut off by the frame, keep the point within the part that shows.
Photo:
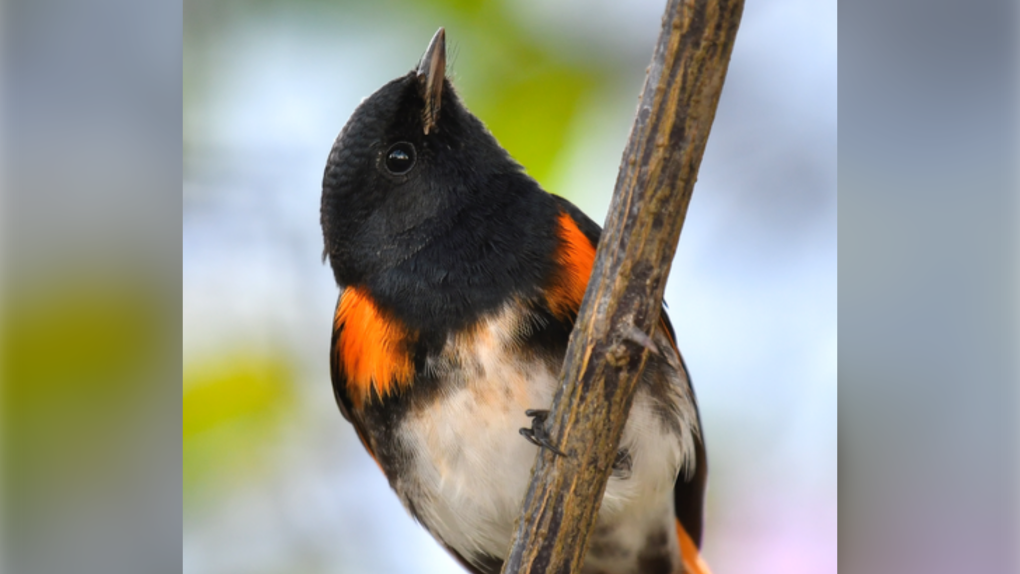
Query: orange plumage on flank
(371,347)
(576,257)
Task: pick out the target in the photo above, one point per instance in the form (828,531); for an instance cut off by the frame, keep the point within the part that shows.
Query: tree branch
(609,346)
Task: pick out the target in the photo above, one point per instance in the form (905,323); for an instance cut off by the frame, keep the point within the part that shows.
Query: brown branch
(608,348)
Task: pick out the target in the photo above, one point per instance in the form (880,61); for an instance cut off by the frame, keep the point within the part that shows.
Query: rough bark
(610,343)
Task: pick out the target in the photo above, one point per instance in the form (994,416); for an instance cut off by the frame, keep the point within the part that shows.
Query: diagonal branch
(607,354)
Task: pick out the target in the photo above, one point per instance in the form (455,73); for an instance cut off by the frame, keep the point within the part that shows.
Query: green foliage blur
(71,355)
(85,359)
(527,91)
(234,403)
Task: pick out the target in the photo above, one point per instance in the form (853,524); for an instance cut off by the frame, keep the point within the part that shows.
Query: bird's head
(409,158)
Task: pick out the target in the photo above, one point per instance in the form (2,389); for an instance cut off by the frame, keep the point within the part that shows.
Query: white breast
(472,466)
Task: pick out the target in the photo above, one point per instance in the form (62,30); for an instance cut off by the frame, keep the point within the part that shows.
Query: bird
(460,282)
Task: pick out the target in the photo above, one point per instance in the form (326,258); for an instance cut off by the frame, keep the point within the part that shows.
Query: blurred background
(274,478)
(929,266)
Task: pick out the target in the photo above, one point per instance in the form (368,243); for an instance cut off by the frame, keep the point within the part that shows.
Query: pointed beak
(431,72)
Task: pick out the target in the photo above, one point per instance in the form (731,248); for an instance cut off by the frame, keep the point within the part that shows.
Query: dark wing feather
(689,494)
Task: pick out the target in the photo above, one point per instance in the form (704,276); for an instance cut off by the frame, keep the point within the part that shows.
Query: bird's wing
(689,491)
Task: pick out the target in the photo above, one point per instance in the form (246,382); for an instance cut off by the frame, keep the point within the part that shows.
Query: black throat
(472,259)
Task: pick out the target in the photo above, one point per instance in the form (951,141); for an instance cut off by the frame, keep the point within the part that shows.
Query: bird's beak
(431,71)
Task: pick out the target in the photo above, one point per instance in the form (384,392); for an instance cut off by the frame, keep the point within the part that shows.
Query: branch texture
(608,351)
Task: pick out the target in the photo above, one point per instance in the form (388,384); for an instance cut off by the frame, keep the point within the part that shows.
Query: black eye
(400,158)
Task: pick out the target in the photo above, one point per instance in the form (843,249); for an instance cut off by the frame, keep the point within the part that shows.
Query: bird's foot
(538,435)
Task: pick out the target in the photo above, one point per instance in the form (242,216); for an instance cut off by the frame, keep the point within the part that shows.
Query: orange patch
(576,258)
(371,348)
(693,562)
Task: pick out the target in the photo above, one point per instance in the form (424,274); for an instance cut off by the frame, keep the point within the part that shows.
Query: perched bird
(460,283)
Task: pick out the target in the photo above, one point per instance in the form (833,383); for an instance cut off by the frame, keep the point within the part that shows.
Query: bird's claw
(538,435)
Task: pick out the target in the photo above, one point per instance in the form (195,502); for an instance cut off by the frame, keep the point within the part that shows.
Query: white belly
(472,463)
(472,466)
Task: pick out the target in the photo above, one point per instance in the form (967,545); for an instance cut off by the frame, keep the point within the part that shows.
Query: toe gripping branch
(538,435)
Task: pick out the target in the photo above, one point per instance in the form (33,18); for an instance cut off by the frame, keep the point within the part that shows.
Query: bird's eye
(400,158)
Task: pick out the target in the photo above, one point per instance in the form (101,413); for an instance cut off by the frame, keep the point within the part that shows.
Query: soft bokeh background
(929,264)
(276,481)
(90,116)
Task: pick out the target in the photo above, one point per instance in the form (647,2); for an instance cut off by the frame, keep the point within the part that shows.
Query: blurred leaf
(75,358)
(79,350)
(526,94)
(99,331)
(234,406)
(531,110)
